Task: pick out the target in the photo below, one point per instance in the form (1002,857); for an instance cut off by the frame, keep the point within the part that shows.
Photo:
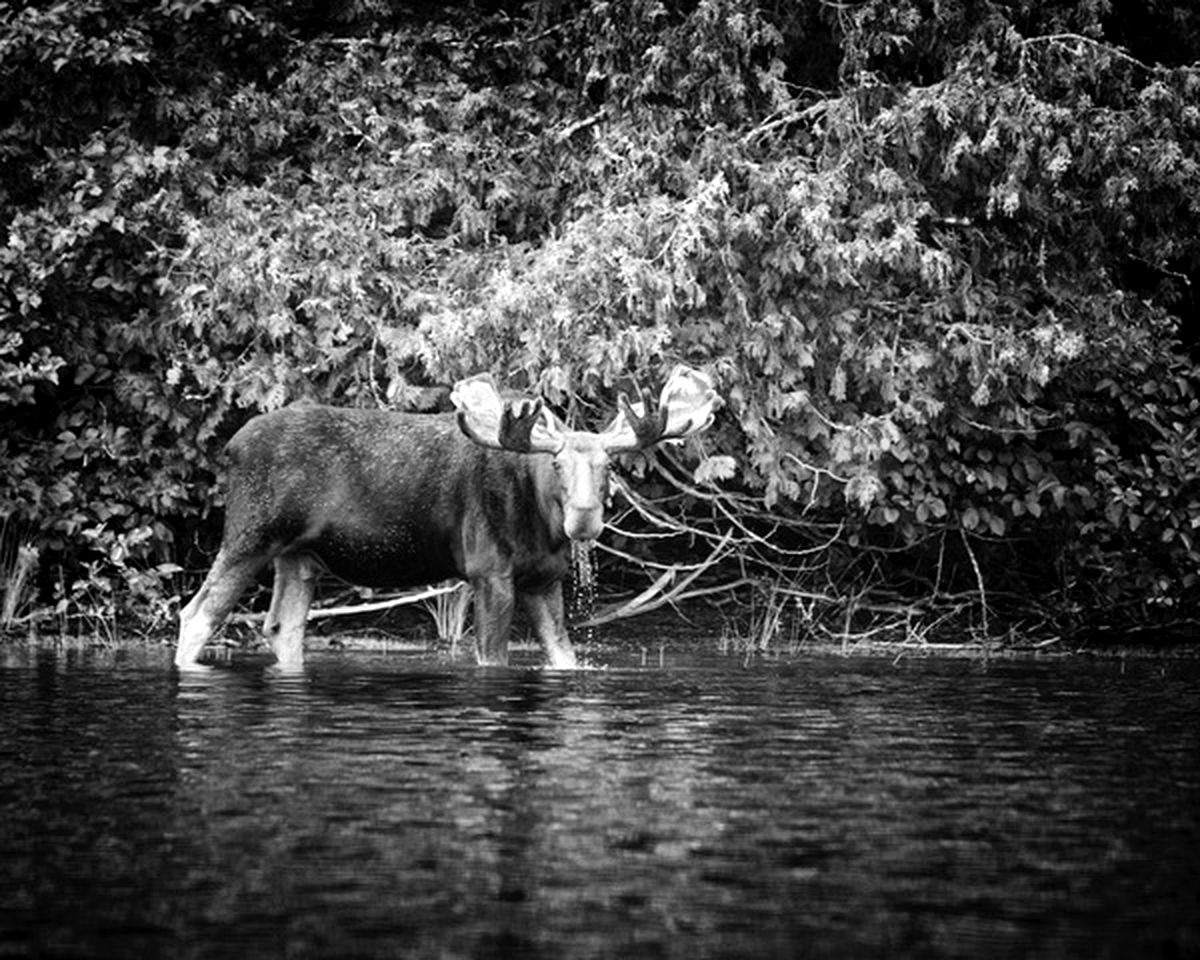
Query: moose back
(493,493)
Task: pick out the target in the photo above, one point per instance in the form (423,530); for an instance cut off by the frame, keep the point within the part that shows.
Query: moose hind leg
(545,611)
(207,610)
(291,597)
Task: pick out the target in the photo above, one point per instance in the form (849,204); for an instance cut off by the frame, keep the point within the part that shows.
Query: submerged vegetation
(939,260)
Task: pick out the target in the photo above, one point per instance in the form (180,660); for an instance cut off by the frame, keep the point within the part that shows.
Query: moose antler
(488,419)
(685,406)
(648,426)
(517,424)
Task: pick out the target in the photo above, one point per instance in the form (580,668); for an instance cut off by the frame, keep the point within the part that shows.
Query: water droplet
(582,596)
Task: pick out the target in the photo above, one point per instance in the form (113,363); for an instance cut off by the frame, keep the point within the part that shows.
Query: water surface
(394,806)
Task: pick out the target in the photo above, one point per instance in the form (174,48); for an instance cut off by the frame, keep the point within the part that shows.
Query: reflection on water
(388,807)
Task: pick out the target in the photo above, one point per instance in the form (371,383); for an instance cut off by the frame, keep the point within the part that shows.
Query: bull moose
(492,493)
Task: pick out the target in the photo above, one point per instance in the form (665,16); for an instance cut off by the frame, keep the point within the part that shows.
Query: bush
(942,296)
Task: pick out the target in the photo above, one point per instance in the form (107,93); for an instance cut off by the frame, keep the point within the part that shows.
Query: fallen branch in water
(373,606)
(399,600)
(637,606)
(665,590)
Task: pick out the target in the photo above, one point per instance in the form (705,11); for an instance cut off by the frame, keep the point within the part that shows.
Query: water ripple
(826,808)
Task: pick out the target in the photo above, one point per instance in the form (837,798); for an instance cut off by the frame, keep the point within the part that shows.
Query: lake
(396,805)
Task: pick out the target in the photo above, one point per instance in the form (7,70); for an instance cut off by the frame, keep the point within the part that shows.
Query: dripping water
(582,602)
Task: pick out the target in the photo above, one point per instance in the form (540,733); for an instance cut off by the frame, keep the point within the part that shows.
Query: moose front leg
(493,618)
(545,611)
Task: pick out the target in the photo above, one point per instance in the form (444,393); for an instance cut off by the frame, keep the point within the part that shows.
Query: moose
(492,493)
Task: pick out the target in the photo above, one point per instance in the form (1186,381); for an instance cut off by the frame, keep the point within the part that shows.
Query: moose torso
(388,499)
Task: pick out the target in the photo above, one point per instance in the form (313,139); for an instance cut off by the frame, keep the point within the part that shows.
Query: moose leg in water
(214,601)
(291,597)
(493,618)
(545,611)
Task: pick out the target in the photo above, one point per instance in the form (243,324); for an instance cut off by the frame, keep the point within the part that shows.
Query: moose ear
(491,421)
(685,406)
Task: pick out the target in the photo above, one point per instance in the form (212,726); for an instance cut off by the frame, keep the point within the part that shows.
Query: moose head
(581,458)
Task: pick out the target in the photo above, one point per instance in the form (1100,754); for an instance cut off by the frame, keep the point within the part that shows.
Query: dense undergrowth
(939,267)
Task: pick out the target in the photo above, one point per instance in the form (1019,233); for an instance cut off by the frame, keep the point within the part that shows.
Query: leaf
(713,469)
(837,386)
(969,518)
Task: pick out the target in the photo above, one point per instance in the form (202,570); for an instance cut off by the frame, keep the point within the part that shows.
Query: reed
(449,611)
(18,563)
